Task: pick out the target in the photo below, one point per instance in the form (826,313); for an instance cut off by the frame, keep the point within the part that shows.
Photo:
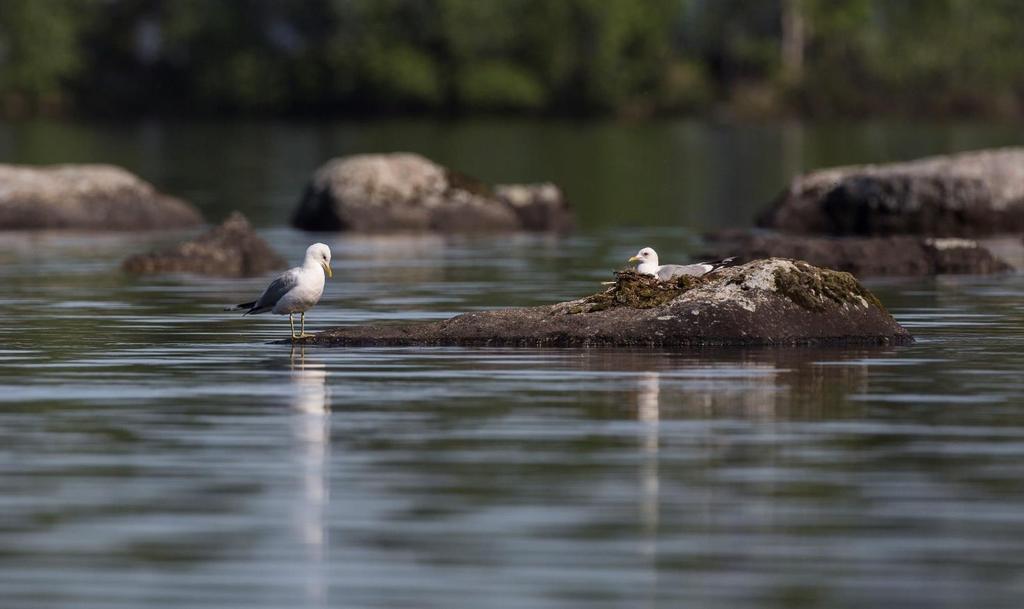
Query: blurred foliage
(638,57)
(497,85)
(39,50)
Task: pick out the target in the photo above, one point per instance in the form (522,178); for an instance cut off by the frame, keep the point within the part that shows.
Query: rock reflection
(743,383)
(311,430)
(728,384)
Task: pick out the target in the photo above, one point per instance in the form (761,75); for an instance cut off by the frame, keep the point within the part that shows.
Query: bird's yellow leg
(291,324)
(302,325)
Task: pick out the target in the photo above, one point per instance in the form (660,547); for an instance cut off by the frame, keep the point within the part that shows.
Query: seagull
(648,259)
(296,290)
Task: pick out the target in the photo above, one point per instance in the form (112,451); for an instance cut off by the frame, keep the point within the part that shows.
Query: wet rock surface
(231,249)
(765,302)
(865,256)
(376,193)
(963,195)
(86,197)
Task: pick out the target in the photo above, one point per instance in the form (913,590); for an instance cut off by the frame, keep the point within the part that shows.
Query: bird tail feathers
(717,264)
(245,306)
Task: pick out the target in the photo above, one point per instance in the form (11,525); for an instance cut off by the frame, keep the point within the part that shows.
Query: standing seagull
(296,290)
(648,259)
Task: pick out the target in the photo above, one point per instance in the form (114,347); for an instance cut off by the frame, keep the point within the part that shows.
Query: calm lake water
(158,452)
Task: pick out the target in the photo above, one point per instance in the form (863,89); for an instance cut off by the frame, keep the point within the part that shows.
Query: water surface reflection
(311,429)
(157,452)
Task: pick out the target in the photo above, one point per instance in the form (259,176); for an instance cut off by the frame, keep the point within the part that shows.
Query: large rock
(407,192)
(766,302)
(963,195)
(232,249)
(539,207)
(865,256)
(89,197)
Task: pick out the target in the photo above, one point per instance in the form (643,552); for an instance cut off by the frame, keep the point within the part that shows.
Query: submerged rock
(866,256)
(232,249)
(963,195)
(407,192)
(765,302)
(87,197)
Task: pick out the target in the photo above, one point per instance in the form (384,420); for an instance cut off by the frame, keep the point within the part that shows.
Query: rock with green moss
(774,301)
(375,193)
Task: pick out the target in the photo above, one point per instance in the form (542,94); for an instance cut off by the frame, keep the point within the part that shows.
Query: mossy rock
(638,291)
(765,302)
(814,288)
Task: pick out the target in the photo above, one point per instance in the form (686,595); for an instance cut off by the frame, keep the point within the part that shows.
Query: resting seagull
(296,290)
(648,259)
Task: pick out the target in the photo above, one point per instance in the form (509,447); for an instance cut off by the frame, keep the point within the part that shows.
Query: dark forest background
(813,58)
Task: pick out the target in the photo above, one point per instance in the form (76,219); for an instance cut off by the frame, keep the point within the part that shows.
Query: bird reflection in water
(648,413)
(310,401)
(649,416)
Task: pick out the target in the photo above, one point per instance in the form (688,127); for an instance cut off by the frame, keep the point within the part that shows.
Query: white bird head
(319,253)
(646,256)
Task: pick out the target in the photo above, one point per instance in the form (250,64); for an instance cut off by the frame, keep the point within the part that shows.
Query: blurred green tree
(39,51)
(634,57)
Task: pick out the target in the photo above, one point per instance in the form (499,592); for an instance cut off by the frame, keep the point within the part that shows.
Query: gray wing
(672,271)
(277,289)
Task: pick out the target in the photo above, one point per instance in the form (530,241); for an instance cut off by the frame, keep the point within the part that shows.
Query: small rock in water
(86,197)
(232,249)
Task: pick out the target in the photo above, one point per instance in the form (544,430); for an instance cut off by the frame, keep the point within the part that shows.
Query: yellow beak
(635,259)
(327,268)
